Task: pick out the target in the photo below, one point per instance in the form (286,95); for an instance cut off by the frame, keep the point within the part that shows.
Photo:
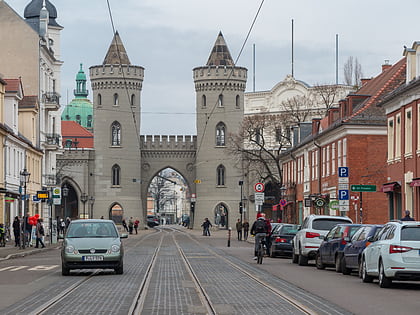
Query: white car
(311,234)
(394,254)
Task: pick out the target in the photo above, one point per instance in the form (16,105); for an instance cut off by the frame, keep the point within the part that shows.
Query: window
(238,101)
(220,175)
(89,121)
(258,135)
(99,99)
(133,100)
(203,101)
(408,133)
(116,133)
(220,134)
(116,175)
(220,100)
(115,99)
(68,143)
(333,159)
(391,137)
(278,134)
(78,119)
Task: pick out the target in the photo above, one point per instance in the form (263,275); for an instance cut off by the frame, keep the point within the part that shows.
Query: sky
(169,38)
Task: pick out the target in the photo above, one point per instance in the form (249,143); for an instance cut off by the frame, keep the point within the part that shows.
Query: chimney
(386,65)
(366,80)
(315,125)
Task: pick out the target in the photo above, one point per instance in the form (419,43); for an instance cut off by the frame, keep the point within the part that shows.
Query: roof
(220,55)
(30,101)
(73,131)
(12,85)
(116,52)
(33,9)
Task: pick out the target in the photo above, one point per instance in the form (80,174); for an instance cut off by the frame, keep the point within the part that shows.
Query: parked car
(393,254)
(331,250)
(306,241)
(281,239)
(352,253)
(92,244)
(152,221)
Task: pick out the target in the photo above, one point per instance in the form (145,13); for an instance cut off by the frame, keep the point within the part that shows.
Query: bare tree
(353,72)
(328,95)
(298,108)
(348,71)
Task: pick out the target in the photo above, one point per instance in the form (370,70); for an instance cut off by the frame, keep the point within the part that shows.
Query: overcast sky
(169,38)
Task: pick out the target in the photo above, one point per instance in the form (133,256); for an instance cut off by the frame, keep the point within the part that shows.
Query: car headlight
(70,249)
(115,248)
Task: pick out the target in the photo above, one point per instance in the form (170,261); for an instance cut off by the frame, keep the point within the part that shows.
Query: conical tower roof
(116,53)
(220,55)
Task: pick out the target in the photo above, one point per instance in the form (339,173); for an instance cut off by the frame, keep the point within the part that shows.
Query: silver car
(92,244)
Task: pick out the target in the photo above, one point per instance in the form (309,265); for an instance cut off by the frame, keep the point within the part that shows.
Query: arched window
(116,175)
(220,134)
(220,100)
(203,101)
(238,101)
(221,175)
(116,99)
(78,119)
(115,133)
(133,100)
(99,99)
(89,121)
(68,143)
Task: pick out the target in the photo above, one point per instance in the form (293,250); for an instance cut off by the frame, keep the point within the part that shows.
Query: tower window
(220,134)
(203,101)
(99,99)
(116,99)
(220,100)
(116,134)
(116,175)
(220,175)
(133,100)
(68,143)
(78,119)
(238,101)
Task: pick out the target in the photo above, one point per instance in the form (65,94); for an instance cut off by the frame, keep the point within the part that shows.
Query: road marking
(36,268)
(43,268)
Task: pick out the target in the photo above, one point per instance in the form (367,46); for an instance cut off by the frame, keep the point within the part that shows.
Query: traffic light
(240,207)
(192,206)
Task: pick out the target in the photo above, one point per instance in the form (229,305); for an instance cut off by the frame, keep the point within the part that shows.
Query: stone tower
(220,87)
(116,87)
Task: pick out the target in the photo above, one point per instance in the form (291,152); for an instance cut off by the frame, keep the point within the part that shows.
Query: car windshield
(326,224)
(92,230)
(410,233)
(289,229)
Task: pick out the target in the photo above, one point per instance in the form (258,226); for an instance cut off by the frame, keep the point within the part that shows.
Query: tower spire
(220,55)
(116,52)
(81,91)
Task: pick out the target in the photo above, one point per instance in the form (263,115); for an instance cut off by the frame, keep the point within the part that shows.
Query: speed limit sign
(259,187)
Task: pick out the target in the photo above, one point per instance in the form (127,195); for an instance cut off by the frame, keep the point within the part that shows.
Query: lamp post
(282,191)
(241,208)
(91,202)
(24,179)
(84,197)
(65,191)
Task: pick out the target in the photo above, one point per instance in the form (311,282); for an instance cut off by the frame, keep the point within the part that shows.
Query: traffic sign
(259,187)
(259,196)
(363,188)
(343,172)
(334,205)
(343,194)
(283,202)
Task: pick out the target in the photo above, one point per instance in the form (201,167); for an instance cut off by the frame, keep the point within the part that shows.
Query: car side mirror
(124,235)
(347,239)
(370,239)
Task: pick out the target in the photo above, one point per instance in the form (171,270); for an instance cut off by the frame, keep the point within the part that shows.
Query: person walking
(407,216)
(16,230)
(130,225)
(124,224)
(136,225)
(245,226)
(239,229)
(39,234)
(206,227)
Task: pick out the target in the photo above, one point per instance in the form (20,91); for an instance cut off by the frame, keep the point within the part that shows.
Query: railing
(51,100)
(52,139)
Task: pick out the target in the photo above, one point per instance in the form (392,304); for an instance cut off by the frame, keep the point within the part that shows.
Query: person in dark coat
(16,230)
(407,216)
(239,229)
(206,227)
(39,234)
(245,225)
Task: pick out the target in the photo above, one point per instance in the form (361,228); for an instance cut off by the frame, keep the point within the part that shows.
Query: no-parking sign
(259,187)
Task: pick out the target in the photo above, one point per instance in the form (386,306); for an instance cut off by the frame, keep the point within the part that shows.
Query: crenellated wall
(169,142)
(235,78)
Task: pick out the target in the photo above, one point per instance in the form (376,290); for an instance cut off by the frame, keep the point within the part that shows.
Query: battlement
(220,73)
(172,142)
(116,71)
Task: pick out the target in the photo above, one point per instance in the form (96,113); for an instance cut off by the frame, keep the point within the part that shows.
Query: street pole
(241,209)
(84,197)
(24,179)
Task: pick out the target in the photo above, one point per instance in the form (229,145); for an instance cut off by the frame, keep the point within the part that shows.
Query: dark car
(152,221)
(331,249)
(281,239)
(352,252)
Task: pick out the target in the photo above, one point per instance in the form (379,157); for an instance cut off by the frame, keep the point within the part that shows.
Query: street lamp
(24,179)
(241,207)
(282,191)
(84,197)
(65,191)
(91,202)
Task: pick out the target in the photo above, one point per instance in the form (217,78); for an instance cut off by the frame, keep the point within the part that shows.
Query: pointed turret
(116,53)
(81,91)
(220,55)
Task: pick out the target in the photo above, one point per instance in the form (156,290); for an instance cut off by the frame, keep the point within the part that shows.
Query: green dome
(81,76)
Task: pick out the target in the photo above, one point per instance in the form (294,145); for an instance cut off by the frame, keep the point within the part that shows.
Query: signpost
(361,188)
(343,192)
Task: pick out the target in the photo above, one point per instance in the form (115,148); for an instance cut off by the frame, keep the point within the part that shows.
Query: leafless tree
(353,72)
(298,108)
(348,71)
(328,94)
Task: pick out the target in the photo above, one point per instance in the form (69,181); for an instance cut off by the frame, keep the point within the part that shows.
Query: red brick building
(353,135)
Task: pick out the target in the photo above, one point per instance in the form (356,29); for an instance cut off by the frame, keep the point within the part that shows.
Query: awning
(390,187)
(415,182)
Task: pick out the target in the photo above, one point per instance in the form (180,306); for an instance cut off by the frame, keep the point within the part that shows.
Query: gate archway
(221,216)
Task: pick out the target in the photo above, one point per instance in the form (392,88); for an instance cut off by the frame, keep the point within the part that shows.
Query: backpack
(260,226)
(41,230)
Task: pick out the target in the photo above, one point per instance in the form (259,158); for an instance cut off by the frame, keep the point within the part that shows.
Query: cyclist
(260,229)
(2,235)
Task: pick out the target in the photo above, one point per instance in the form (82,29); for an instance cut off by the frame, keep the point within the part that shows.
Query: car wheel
(302,260)
(365,277)
(294,257)
(64,270)
(337,263)
(318,262)
(384,281)
(344,269)
(120,269)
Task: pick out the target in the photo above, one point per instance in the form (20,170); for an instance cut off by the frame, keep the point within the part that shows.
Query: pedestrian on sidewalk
(407,216)
(245,225)
(16,230)
(39,233)
(239,229)
(130,225)
(206,227)
(124,224)
(136,225)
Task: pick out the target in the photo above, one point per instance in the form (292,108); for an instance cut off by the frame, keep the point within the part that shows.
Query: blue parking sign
(343,171)
(343,194)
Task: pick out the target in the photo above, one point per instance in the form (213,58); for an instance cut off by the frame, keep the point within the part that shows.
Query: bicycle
(261,250)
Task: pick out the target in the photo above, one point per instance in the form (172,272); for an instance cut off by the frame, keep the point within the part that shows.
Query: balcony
(52,141)
(50,180)
(51,101)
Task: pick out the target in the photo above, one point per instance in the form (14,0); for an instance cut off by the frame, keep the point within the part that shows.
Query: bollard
(229,234)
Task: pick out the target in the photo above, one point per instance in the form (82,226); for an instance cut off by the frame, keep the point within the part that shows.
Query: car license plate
(92,258)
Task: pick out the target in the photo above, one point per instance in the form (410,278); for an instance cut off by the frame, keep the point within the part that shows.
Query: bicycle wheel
(260,253)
